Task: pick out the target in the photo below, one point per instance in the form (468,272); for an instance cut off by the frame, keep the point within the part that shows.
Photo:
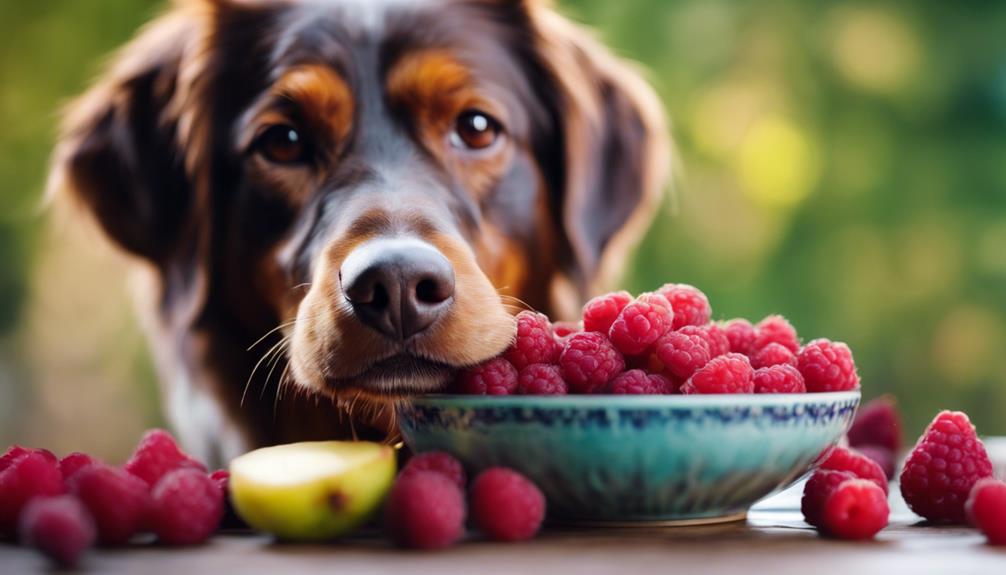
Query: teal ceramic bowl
(637,459)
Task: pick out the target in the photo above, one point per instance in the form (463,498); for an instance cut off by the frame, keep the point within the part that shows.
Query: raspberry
(425,510)
(506,506)
(883,456)
(32,474)
(118,501)
(816,491)
(601,312)
(691,307)
(156,455)
(741,335)
(589,361)
(986,509)
(844,459)
(681,354)
(494,377)
(772,354)
(856,509)
(59,527)
(945,464)
(667,385)
(730,373)
(775,329)
(827,366)
(563,329)
(778,379)
(541,379)
(438,462)
(638,382)
(186,507)
(74,462)
(877,423)
(641,323)
(535,341)
(222,479)
(16,451)
(719,344)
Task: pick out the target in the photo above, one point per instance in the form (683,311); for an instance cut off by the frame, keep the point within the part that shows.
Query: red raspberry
(945,464)
(32,474)
(589,361)
(827,366)
(691,306)
(118,501)
(883,456)
(638,382)
(222,479)
(439,462)
(541,379)
(772,354)
(494,377)
(641,323)
(425,510)
(730,373)
(59,527)
(156,455)
(816,491)
(74,462)
(186,507)
(877,423)
(741,335)
(601,312)
(681,354)
(719,344)
(844,459)
(16,451)
(776,329)
(535,341)
(563,329)
(986,509)
(856,509)
(506,506)
(778,379)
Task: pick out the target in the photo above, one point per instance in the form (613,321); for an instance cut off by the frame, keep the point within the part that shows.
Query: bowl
(637,459)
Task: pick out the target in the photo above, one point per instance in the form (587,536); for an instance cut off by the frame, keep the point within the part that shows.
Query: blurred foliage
(844,163)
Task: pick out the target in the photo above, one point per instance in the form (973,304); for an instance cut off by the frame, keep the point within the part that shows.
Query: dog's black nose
(398,287)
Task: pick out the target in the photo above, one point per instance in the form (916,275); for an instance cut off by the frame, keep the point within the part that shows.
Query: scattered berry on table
(425,510)
(827,366)
(877,423)
(772,354)
(16,451)
(844,459)
(589,361)
(494,377)
(505,505)
(58,526)
(680,354)
(600,312)
(118,501)
(741,335)
(156,455)
(438,462)
(730,373)
(29,475)
(641,323)
(986,509)
(817,489)
(776,329)
(943,467)
(778,379)
(690,305)
(884,457)
(856,509)
(74,462)
(541,379)
(186,507)
(535,342)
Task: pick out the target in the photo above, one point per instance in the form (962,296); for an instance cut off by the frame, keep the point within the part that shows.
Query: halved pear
(314,490)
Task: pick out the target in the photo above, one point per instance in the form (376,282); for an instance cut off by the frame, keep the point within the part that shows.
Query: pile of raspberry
(660,342)
(427,508)
(64,506)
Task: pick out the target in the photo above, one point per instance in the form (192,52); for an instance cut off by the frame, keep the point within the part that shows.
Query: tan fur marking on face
(323,96)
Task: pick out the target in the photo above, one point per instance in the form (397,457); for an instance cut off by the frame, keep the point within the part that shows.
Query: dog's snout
(397,287)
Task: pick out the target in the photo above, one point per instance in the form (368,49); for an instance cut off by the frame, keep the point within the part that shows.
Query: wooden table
(773,541)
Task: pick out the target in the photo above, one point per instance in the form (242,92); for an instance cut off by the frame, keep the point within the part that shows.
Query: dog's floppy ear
(120,150)
(616,150)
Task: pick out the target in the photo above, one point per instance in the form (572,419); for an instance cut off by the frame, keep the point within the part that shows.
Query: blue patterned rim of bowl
(637,458)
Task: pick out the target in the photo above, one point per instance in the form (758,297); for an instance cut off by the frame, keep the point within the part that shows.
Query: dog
(338,203)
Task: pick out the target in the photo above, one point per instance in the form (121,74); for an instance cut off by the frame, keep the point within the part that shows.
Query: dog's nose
(398,287)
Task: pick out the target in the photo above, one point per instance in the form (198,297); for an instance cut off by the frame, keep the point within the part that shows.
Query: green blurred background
(844,163)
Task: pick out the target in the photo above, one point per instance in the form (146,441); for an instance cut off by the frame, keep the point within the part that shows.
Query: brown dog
(377,182)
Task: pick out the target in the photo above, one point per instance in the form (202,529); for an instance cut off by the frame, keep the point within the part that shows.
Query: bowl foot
(644,523)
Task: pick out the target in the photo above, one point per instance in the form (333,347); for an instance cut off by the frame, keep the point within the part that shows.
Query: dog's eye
(282,144)
(475,130)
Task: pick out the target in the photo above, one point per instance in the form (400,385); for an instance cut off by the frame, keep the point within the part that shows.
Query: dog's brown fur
(162,151)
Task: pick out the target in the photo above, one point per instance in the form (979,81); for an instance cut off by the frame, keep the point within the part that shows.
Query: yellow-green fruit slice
(313,490)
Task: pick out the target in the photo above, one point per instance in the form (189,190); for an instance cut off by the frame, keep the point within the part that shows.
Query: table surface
(774,539)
